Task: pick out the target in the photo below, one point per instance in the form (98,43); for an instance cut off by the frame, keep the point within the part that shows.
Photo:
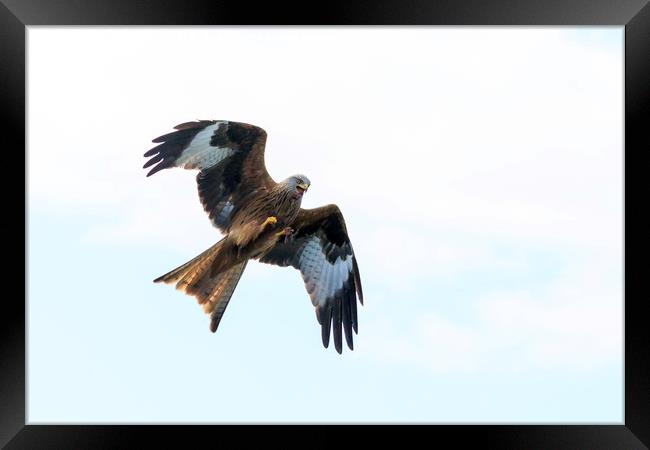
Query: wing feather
(321,250)
(229,157)
(346,313)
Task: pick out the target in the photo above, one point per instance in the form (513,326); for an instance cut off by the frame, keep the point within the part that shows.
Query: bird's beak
(303,186)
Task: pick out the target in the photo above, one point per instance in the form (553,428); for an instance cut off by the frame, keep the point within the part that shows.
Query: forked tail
(196,278)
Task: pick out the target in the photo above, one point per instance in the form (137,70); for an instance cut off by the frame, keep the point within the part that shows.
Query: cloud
(574,323)
(440,146)
(387,123)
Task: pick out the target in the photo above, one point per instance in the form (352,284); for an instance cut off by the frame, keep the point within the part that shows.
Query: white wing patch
(321,277)
(200,154)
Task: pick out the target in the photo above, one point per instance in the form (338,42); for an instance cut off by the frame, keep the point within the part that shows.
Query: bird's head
(298,184)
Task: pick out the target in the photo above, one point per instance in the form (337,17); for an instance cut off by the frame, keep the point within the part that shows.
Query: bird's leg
(285,232)
(271,220)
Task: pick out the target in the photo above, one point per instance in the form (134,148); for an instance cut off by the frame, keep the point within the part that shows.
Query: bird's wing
(321,249)
(229,155)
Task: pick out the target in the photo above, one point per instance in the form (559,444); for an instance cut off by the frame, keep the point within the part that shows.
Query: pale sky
(480,173)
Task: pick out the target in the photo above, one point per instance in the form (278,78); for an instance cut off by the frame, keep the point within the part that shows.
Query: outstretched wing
(320,248)
(229,155)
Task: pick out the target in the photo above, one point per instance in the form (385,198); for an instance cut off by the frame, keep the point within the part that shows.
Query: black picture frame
(15,15)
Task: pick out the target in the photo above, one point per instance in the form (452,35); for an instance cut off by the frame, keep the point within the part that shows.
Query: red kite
(261,220)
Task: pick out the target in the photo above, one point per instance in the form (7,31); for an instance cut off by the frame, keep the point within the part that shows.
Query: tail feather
(212,291)
(190,266)
(220,296)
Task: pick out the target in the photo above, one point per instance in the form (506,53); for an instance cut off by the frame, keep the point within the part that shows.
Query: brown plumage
(262,220)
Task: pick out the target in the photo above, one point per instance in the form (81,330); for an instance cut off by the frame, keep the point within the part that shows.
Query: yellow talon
(285,232)
(271,220)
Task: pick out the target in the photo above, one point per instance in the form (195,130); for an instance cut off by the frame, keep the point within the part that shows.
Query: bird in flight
(261,220)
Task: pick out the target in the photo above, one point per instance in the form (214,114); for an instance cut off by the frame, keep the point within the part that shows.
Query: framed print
(478,158)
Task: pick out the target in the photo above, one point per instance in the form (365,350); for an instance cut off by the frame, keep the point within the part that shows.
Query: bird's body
(276,202)
(248,236)
(261,220)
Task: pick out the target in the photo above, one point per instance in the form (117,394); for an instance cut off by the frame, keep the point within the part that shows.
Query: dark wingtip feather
(184,125)
(348,298)
(337,330)
(357,279)
(173,136)
(201,123)
(158,168)
(326,323)
(153,161)
(353,308)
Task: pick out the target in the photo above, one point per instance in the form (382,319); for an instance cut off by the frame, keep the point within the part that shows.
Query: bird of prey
(261,220)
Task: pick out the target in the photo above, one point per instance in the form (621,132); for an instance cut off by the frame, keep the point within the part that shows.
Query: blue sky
(480,174)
